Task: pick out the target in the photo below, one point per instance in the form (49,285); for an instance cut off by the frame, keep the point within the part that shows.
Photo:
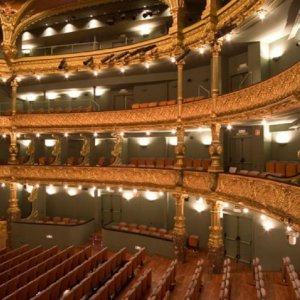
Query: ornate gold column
(211,8)
(14,87)
(215,241)
(117,150)
(13,148)
(13,211)
(215,149)
(179,234)
(180,147)
(8,18)
(215,48)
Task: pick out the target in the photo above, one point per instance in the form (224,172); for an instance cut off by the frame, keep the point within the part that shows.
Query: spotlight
(147,14)
(89,61)
(63,64)
(107,58)
(224,30)
(148,48)
(181,56)
(298,44)
(121,55)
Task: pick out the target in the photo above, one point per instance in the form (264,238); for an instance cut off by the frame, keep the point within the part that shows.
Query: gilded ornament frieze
(279,199)
(165,179)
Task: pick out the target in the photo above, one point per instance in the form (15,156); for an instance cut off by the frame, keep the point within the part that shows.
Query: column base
(180,247)
(216,259)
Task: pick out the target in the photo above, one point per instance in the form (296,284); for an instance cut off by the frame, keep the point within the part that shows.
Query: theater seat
(270,166)
(291,169)
(193,241)
(280,168)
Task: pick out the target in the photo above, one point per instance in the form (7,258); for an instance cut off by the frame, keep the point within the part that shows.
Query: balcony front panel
(281,200)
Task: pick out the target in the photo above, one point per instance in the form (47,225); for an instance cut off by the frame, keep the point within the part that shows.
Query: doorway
(237,232)
(111,209)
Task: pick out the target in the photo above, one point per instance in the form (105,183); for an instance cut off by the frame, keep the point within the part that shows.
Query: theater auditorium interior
(150,149)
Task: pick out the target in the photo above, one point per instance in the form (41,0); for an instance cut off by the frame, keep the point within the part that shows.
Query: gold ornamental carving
(13,148)
(117,150)
(30,152)
(215,149)
(179,233)
(85,151)
(33,199)
(13,211)
(215,241)
(56,151)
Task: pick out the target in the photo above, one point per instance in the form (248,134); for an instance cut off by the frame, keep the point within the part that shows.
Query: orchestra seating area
(89,272)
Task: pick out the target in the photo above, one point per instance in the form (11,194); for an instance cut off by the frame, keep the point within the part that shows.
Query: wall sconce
(151,196)
(74,94)
(144,142)
(293,235)
(128,195)
(206,140)
(97,142)
(72,191)
(276,53)
(50,142)
(283,137)
(51,190)
(266,223)
(172,140)
(25,143)
(200,205)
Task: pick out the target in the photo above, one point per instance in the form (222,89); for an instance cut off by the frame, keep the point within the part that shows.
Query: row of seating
(290,277)
(58,110)
(91,281)
(20,275)
(144,229)
(3,251)
(283,168)
(195,285)
(141,287)
(114,285)
(164,103)
(192,164)
(225,290)
(166,284)
(60,220)
(40,283)
(20,258)
(153,104)
(258,279)
(13,253)
(31,258)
